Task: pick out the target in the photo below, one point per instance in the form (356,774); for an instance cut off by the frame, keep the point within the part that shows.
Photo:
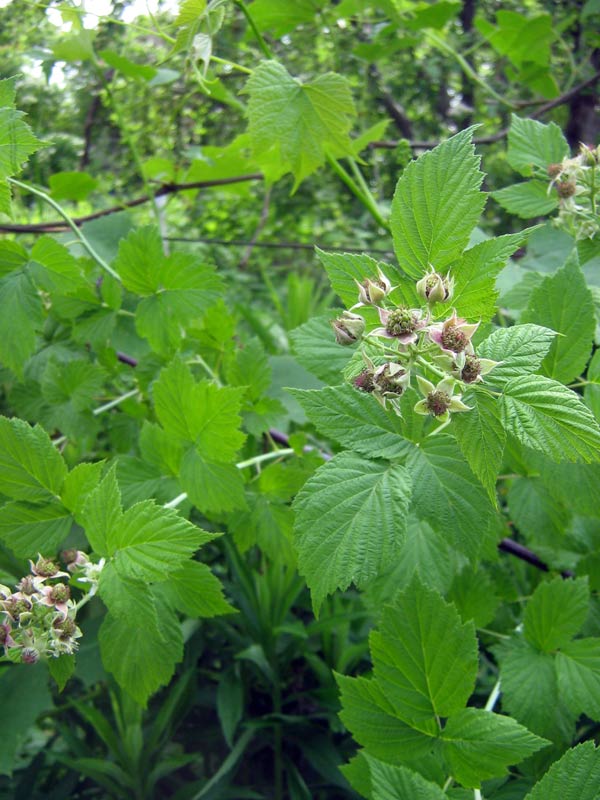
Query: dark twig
(518,550)
(496,137)
(165,188)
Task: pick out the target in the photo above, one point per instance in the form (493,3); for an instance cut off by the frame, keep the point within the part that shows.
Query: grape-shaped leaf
(293,126)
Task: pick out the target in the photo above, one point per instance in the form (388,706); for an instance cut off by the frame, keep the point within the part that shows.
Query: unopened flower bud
(390,381)
(588,155)
(44,567)
(554,170)
(29,655)
(371,291)
(434,288)
(348,328)
(566,188)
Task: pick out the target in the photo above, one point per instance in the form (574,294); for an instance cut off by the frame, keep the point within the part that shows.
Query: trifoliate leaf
(575,776)
(547,416)
(30,529)
(176,288)
(436,205)
(447,495)
(578,671)
(31,468)
(201,413)
(479,745)
(556,612)
(350,521)
(354,419)
(424,656)
(481,438)
(371,720)
(564,303)
(519,350)
(294,126)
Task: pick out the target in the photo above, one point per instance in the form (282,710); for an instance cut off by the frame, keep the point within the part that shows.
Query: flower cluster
(411,342)
(38,619)
(577,183)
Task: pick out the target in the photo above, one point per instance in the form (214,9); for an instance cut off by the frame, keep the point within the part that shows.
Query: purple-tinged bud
(364,381)
(27,585)
(29,655)
(348,328)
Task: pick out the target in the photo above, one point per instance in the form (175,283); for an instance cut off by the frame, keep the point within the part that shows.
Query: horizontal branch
(163,189)
(496,137)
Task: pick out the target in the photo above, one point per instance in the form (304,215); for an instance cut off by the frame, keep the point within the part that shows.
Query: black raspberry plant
(412,343)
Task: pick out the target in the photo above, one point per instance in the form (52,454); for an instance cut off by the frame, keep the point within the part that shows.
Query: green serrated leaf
(151,541)
(424,656)
(78,485)
(20,320)
(294,126)
(139,648)
(547,416)
(527,200)
(31,468)
(210,486)
(195,591)
(481,438)
(315,348)
(391,782)
(534,144)
(578,672)
(101,513)
(474,295)
(575,776)
(17,142)
(201,413)
(447,495)
(371,720)
(556,612)
(564,303)
(474,595)
(519,350)
(530,690)
(61,669)
(53,267)
(355,420)
(436,205)
(479,745)
(31,529)
(350,520)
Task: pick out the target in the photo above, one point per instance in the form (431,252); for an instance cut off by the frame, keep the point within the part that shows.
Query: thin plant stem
(448,784)
(257,34)
(177,501)
(493,698)
(368,202)
(233,64)
(477,794)
(115,402)
(80,236)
